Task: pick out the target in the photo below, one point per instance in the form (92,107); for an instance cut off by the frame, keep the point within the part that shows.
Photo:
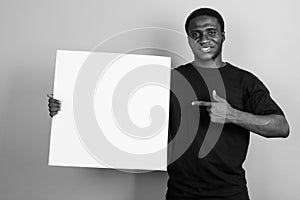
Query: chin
(205,58)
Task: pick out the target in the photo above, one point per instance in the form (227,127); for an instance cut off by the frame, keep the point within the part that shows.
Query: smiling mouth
(205,49)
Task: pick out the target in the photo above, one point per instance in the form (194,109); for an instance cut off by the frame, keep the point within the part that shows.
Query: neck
(216,63)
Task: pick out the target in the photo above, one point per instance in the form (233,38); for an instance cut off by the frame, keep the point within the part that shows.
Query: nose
(203,38)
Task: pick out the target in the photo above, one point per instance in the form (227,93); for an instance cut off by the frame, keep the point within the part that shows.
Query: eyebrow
(207,29)
(206,25)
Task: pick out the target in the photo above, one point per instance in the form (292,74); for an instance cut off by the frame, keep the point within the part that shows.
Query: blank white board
(114,111)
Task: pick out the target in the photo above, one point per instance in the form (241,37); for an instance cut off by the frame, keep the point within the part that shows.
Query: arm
(265,125)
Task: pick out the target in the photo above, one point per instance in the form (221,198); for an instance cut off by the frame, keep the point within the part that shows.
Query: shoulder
(234,68)
(186,70)
(243,73)
(183,67)
(250,83)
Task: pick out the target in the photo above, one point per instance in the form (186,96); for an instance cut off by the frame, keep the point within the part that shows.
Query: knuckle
(54,105)
(51,100)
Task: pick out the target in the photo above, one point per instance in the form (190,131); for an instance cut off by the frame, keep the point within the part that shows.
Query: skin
(205,31)
(54,106)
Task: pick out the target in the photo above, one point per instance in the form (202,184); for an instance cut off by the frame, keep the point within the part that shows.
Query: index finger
(201,103)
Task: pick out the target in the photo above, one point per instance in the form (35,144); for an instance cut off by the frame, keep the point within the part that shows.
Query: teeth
(205,49)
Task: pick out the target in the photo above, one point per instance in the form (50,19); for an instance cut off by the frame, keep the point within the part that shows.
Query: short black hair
(204,12)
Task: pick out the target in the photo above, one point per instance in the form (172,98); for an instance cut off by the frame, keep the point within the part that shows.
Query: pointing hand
(219,111)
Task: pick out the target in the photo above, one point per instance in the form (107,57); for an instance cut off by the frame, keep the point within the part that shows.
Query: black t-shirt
(220,173)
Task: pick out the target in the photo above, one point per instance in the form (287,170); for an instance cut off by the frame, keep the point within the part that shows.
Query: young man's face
(205,38)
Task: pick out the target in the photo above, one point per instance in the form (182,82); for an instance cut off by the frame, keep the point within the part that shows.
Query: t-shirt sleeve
(258,100)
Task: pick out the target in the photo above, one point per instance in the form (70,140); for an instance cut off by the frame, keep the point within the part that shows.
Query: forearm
(264,125)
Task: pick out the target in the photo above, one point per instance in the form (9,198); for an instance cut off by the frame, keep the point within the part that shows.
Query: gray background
(263,37)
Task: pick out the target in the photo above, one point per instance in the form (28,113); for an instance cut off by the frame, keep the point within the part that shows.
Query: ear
(223,36)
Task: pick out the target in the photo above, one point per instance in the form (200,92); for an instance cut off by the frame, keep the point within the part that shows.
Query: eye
(194,35)
(212,32)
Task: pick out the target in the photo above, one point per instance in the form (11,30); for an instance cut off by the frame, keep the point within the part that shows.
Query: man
(247,107)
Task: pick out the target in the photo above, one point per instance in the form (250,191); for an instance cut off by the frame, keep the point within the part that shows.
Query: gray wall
(261,36)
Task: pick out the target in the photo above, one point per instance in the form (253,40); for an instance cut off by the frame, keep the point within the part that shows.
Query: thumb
(217,97)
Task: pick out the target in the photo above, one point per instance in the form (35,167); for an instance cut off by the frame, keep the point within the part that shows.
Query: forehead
(204,22)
